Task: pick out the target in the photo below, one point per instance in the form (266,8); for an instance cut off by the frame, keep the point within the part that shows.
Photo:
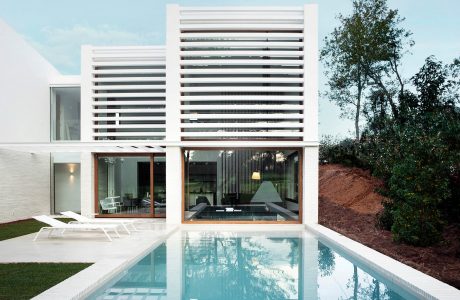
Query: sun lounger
(58,225)
(85,220)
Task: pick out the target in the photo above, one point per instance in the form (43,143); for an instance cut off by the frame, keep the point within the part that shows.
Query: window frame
(300,183)
(151,156)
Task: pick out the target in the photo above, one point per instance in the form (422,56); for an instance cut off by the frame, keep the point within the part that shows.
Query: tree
(365,52)
(419,156)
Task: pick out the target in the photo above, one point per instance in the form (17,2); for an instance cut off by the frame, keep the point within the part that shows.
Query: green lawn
(26,280)
(15,229)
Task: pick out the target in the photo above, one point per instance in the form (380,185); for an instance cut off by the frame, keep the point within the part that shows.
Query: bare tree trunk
(378,81)
(358,104)
(358,109)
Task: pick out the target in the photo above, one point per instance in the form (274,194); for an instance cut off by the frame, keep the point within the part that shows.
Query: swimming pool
(247,265)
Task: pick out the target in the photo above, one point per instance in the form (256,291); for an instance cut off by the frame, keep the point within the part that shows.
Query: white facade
(228,77)
(24,117)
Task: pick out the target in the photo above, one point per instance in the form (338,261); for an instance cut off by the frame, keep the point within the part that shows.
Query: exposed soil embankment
(348,204)
(350,187)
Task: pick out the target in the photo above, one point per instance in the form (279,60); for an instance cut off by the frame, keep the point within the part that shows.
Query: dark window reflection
(241,184)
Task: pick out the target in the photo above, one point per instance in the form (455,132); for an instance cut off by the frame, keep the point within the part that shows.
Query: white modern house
(218,125)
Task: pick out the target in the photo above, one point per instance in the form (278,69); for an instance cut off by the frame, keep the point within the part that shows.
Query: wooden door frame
(152,188)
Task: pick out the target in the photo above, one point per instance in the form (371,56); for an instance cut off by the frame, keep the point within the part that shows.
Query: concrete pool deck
(80,246)
(111,258)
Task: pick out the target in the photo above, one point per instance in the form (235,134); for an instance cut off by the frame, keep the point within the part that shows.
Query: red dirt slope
(350,187)
(348,204)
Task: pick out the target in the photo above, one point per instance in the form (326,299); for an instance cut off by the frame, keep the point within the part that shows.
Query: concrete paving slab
(81,246)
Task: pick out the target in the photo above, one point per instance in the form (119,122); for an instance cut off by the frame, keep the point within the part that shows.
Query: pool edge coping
(87,281)
(417,282)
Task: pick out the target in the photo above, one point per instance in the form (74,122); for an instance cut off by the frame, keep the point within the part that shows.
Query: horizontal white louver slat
(128,91)
(241,73)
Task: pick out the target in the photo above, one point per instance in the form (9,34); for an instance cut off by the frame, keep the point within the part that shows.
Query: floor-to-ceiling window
(241,185)
(65,113)
(130,185)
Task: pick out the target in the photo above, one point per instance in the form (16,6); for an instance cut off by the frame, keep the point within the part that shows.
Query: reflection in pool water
(231,266)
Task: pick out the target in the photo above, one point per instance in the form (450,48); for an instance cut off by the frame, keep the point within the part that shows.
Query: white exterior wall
(244,91)
(224,81)
(87,184)
(310,185)
(311,73)
(173,185)
(24,185)
(25,117)
(310,162)
(172,73)
(86,99)
(25,94)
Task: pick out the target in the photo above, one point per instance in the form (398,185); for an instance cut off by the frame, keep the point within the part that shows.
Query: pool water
(204,265)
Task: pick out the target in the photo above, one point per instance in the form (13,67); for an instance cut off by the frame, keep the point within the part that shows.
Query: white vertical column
(310,185)
(87,184)
(311,72)
(174,266)
(310,158)
(172,73)
(173,185)
(86,94)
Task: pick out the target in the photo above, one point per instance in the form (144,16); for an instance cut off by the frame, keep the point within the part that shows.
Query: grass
(18,228)
(26,280)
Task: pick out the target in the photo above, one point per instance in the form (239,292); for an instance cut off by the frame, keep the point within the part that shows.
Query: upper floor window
(65,113)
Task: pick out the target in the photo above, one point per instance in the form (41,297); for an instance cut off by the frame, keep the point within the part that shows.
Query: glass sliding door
(159,185)
(242,185)
(125,185)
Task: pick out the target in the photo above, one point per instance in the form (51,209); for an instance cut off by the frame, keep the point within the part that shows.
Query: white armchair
(109,205)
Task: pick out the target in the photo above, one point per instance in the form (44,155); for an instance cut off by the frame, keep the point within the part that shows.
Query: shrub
(418,225)
(384,219)
(347,152)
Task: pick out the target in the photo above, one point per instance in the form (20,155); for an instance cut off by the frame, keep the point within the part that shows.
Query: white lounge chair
(58,225)
(85,220)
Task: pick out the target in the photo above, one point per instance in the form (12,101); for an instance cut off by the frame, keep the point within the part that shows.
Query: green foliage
(384,219)
(411,139)
(347,152)
(26,280)
(417,154)
(364,52)
(417,225)
(419,158)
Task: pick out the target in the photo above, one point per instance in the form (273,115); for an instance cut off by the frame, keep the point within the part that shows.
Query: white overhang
(99,147)
(146,147)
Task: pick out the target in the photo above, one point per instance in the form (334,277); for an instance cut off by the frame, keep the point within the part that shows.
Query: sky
(57,29)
